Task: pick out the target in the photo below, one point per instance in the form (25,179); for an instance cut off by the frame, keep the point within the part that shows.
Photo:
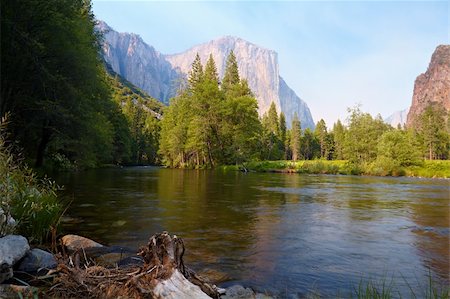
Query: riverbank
(428,169)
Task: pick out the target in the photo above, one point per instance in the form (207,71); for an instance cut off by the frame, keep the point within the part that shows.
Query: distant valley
(161,75)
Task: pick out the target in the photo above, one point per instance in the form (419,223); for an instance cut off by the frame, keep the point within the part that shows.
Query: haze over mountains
(161,75)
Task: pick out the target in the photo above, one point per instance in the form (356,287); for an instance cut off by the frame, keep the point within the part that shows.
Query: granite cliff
(397,118)
(433,86)
(160,75)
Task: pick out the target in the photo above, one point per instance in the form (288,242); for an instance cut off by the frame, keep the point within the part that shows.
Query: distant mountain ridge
(161,75)
(397,118)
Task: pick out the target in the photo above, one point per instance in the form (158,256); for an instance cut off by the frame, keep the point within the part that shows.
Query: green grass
(31,201)
(428,169)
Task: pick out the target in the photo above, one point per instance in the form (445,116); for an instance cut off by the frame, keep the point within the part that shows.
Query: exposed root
(163,256)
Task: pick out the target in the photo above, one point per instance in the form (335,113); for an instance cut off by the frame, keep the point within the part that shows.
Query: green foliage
(30,201)
(434,133)
(52,81)
(231,77)
(295,138)
(361,137)
(338,140)
(208,125)
(398,148)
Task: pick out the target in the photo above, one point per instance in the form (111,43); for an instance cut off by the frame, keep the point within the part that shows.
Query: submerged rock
(36,260)
(75,242)
(238,292)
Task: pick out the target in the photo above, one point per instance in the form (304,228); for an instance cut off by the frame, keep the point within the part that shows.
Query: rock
(7,223)
(397,118)
(35,260)
(238,292)
(6,272)
(75,242)
(433,86)
(12,249)
(214,276)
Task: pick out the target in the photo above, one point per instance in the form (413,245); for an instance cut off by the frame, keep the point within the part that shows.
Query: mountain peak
(160,75)
(433,86)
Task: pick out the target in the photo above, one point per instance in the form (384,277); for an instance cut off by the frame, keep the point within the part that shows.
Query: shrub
(30,201)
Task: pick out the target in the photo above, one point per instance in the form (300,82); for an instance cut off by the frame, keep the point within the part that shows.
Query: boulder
(238,292)
(75,242)
(36,260)
(12,249)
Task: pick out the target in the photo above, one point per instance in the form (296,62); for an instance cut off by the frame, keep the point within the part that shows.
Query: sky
(333,54)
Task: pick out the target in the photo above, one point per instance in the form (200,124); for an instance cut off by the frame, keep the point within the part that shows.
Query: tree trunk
(45,139)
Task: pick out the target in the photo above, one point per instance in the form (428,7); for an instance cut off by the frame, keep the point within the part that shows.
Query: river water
(286,234)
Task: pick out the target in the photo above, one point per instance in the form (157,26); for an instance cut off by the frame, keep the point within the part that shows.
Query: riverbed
(286,234)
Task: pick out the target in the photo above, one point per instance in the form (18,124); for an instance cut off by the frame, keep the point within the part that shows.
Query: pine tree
(295,138)
(282,133)
(231,77)
(338,138)
(196,73)
(321,135)
(211,71)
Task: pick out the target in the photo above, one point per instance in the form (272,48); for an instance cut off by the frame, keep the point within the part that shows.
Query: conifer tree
(295,138)
(211,70)
(231,77)
(196,73)
(321,135)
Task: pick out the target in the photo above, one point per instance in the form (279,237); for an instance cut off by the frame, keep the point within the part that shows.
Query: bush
(30,201)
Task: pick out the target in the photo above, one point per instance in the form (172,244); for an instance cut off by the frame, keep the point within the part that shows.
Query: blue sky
(333,54)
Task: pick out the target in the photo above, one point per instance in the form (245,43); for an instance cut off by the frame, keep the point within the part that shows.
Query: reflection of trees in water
(212,212)
(432,233)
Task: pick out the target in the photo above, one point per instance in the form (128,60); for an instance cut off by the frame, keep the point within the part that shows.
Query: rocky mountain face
(433,86)
(161,75)
(129,56)
(397,118)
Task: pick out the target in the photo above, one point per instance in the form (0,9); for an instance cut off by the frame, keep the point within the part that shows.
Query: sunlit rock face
(161,75)
(139,63)
(433,86)
(397,118)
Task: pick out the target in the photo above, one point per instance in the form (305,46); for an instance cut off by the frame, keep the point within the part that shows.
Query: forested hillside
(64,109)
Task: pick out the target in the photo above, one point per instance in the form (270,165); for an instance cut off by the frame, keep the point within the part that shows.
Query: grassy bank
(428,169)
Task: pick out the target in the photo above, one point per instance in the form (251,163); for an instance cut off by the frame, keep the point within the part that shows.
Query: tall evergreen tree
(338,138)
(296,135)
(196,73)
(434,132)
(211,70)
(282,133)
(231,77)
(321,135)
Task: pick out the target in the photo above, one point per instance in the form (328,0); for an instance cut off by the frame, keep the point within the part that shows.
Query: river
(280,233)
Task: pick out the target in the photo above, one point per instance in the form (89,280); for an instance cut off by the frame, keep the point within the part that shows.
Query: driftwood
(163,275)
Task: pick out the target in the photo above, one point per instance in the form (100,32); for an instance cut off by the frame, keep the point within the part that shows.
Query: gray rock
(75,242)
(7,223)
(37,259)
(238,292)
(12,249)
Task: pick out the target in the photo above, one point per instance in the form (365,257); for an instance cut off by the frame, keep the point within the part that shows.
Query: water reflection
(274,231)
